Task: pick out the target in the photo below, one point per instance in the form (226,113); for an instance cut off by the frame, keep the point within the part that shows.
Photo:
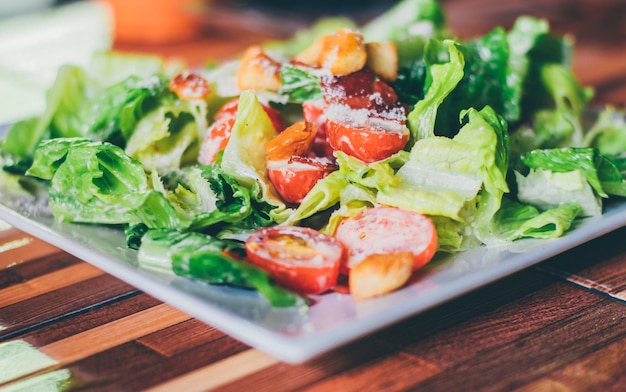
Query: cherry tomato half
(189,85)
(313,112)
(387,230)
(298,258)
(293,178)
(364,143)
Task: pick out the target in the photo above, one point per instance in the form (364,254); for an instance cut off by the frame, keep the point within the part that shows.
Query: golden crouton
(258,71)
(382,59)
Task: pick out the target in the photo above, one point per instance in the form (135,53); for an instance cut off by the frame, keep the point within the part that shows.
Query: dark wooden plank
(372,354)
(9,277)
(59,304)
(44,265)
(284,377)
(91,318)
(181,337)
(530,356)
(601,370)
(17,247)
(134,366)
(599,265)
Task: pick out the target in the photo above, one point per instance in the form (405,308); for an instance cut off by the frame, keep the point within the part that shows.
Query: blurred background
(37,36)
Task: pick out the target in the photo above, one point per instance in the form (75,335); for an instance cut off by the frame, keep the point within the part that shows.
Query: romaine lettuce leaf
(169,137)
(602,174)
(484,83)
(515,221)
(98,183)
(608,134)
(443,79)
(444,174)
(522,38)
(244,155)
(545,189)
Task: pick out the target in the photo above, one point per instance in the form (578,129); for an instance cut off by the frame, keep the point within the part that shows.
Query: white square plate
(296,335)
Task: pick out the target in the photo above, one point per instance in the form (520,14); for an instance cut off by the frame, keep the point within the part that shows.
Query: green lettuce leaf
(244,156)
(169,136)
(484,83)
(299,85)
(97,182)
(515,221)
(444,78)
(602,174)
(608,134)
(545,189)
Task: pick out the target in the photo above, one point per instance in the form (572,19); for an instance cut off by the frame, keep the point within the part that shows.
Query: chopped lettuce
(484,83)
(97,182)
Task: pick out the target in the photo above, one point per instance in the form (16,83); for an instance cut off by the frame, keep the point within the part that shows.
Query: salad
(343,159)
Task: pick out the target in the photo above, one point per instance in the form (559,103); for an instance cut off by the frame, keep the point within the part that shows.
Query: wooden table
(558,326)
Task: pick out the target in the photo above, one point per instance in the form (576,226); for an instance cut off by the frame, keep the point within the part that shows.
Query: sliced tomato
(313,112)
(189,85)
(216,140)
(294,178)
(368,144)
(299,258)
(387,230)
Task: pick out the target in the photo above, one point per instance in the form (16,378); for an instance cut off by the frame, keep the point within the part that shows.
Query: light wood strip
(47,283)
(107,336)
(219,373)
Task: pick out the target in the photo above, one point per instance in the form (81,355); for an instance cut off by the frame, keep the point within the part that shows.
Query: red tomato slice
(293,178)
(299,258)
(387,230)
(216,140)
(313,112)
(366,144)
(189,85)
